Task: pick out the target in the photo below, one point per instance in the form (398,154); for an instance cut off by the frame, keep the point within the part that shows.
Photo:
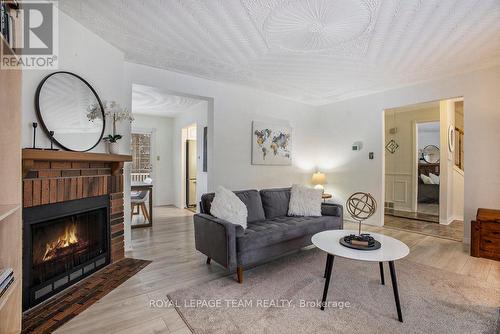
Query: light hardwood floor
(453,231)
(176,264)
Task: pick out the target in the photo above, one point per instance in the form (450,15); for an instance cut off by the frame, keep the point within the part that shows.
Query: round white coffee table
(390,251)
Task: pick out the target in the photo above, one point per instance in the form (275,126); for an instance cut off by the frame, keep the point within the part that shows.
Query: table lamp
(318,179)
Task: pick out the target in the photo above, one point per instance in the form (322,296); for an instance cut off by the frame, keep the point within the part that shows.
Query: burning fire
(67,239)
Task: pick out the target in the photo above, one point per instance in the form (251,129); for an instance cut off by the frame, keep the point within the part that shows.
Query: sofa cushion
(251,198)
(275,202)
(226,205)
(305,201)
(272,231)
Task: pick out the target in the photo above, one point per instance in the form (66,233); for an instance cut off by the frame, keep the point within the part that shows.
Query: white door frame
(183,162)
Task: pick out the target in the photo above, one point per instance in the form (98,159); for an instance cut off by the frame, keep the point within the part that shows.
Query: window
(141,156)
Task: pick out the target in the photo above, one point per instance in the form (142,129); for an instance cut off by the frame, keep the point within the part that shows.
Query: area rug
(283,297)
(52,314)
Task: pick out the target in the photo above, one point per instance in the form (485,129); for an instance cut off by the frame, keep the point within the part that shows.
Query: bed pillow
(304,201)
(226,205)
(426,179)
(434,178)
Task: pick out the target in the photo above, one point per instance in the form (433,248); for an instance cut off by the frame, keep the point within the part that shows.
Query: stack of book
(6,279)
(9,20)
(364,240)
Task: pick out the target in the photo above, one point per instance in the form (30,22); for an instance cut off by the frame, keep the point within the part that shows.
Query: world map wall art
(271,144)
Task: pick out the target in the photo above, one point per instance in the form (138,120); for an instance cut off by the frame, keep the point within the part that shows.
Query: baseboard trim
(444,221)
(450,220)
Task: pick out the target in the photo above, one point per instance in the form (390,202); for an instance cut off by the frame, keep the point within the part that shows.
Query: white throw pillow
(426,179)
(434,178)
(226,205)
(305,201)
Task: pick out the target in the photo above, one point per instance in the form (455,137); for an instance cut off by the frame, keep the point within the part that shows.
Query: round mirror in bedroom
(70,108)
(430,154)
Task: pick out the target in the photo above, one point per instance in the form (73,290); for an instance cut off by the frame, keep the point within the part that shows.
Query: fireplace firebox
(63,243)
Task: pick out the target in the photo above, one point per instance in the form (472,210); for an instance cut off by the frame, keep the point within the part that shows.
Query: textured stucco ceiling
(314,51)
(152,101)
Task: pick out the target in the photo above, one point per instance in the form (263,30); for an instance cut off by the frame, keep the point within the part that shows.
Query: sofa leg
(209,259)
(239,271)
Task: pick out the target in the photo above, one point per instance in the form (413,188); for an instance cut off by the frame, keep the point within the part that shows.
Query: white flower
(111,109)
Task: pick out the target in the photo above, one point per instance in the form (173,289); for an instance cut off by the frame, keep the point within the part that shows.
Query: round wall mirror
(430,154)
(67,105)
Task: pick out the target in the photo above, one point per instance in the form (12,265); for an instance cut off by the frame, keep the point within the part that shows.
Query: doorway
(170,114)
(428,170)
(423,184)
(189,135)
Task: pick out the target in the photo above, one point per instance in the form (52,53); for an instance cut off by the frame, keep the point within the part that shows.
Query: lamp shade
(318,178)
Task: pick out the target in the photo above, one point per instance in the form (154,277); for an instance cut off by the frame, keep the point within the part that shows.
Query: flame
(67,239)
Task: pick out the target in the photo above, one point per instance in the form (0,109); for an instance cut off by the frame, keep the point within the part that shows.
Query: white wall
(98,62)
(230,124)
(161,155)
(198,115)
(362,119)
(87,55)
(426,138)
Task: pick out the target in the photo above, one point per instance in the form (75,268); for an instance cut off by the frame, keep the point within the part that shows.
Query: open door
(191,173)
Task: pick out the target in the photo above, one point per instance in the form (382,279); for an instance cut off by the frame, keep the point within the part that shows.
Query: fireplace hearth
(63,243)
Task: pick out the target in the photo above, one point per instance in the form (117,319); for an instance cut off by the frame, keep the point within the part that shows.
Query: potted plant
(112,143)
(117,113)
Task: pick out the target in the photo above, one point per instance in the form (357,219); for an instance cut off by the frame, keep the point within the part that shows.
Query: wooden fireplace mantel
(31,155)
(46,155)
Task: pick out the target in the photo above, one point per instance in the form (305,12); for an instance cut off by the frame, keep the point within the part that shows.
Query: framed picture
(271,144)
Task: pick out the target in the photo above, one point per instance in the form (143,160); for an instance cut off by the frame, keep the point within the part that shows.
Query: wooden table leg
(329,264)
(395,289)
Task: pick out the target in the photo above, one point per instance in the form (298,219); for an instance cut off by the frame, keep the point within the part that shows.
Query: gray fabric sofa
(270,232)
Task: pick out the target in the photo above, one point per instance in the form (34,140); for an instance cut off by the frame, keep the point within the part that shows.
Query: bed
(428,193)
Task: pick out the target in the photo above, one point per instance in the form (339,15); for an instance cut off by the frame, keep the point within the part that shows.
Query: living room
(289,89)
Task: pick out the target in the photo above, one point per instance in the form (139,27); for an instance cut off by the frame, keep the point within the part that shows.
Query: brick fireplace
(72,219)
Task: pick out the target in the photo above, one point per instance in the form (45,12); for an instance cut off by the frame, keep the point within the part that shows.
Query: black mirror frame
(40,118)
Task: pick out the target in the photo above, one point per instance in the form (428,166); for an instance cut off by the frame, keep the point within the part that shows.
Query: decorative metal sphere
(361,206)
